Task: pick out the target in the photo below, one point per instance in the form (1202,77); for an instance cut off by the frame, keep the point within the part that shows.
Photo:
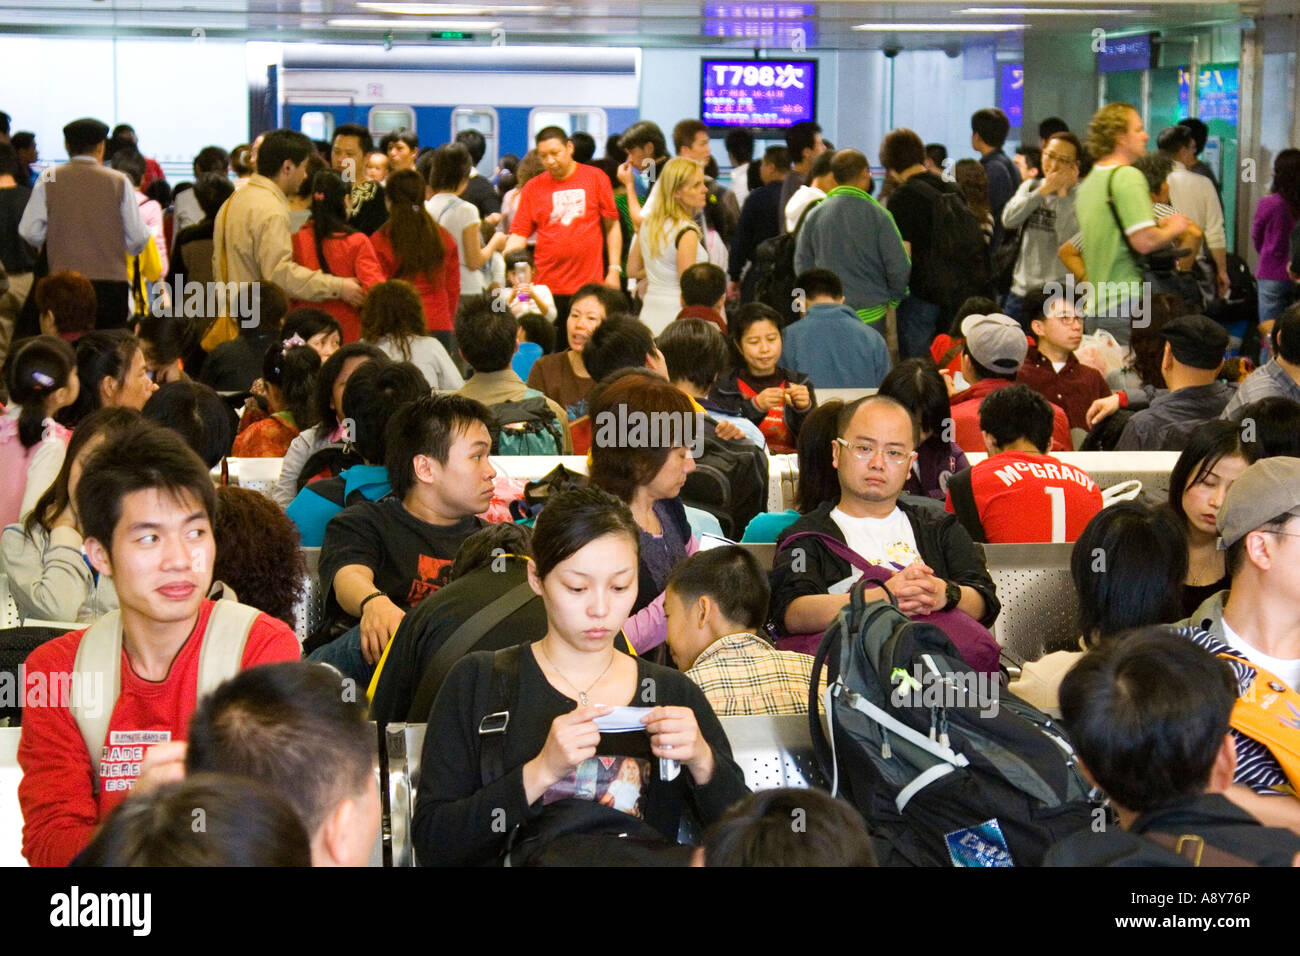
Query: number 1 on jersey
(1058,512)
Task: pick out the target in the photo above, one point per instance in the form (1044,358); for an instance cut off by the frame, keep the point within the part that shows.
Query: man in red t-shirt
(569,209)
(1020,494)
(145,502)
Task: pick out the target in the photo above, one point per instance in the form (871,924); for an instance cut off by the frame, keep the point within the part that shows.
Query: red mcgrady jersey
(1024,498)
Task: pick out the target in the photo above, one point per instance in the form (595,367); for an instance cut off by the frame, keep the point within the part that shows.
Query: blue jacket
(313,507)
(835,348)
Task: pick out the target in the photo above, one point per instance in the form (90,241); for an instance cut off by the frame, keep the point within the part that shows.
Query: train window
(573,119)
(483,119)
(318,124)
(388,119)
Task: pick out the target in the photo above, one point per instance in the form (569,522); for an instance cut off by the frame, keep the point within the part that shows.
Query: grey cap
(995,341)
(1264,491)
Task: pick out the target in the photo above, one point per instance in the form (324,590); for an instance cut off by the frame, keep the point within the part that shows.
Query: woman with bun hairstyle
(289,380)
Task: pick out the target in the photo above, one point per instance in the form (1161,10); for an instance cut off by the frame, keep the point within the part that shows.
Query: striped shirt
(742,674)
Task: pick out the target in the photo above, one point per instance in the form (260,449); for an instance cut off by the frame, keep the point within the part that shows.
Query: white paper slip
(622,719)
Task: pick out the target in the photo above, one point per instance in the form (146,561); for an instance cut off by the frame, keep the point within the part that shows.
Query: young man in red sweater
(131,680)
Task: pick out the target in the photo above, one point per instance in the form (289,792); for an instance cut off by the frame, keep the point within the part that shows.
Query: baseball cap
(1267,489)
(995,341)
(1196,340)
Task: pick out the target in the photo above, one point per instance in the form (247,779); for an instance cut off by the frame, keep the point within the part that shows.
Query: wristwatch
(953,594)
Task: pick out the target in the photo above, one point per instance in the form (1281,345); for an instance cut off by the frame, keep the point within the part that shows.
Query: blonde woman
(669,241)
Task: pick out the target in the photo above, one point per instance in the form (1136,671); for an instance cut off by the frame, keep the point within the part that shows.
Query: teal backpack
(526,427)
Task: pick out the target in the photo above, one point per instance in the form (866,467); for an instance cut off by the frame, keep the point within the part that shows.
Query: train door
(483,119)
(576,119)
(316,114)
(383,120)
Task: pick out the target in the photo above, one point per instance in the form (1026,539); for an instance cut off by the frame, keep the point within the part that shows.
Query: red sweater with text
(60,810)
(1022,498)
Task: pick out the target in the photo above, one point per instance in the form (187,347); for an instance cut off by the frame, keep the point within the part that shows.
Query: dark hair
(166,338)
(740,146)
(211,190)
(308,322)
(1200,132)
(451,167)
(1156,167)
(1286,178)
(358,132)
(474,143)
(799,137)
(329,215)
(1174,138)
(279,145)
(551,132)
(326,414)
(1128,568)
(71,297)
(406,136)
(917,385)
(39,367)
(732,577)
(487,337)
(684,133)
(394,310)
(198,414)
(584,146)
(1286,334)
(901,149)
(937,153)
(108,422)
(991,125)
(211,159)
(160,192)
(293,371)
(259,552)
(1275,424)
(642,132)
(1017,412)
(818,480)
(129,161)
(694,350)
(427,426)
(1148,715)
(620,341)
(1066,136)
(778,156)
(272,305)
(573,519)
(291,725)
(146,456)
(1146,343)
(618,466)
(974,183)
(101,354)
(760,831)
(244,824)
(703,284)
(819,282)
(1051,126)
(1033,157)
(374,392)
(847,165)
(239,156)
(9,164)
(417,241)
(539,330)
(1207,445)
(974,305)
(486,544)
(611,300)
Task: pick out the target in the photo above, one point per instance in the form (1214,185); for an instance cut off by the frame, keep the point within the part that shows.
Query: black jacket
(1210,816)
(726,394)
(943,542)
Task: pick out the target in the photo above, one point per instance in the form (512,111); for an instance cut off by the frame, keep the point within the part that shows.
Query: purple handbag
(971,638)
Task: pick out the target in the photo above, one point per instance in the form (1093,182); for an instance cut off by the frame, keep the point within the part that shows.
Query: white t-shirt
(887,542)
(1287,669)
(456,215)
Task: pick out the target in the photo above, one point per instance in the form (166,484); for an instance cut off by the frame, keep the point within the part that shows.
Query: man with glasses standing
(1043,210)
(933,562)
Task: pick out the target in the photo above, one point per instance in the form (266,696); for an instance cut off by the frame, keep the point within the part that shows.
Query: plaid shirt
(742,674)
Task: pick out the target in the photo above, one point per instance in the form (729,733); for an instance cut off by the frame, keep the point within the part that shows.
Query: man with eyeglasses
(1043,210)
(1050,367)
(933,563)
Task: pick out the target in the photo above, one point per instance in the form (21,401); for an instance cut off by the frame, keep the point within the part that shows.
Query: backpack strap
(963,502)
(461,642)
(99,652)
(1195,850)
(503,685)
(222,650)
(844,553)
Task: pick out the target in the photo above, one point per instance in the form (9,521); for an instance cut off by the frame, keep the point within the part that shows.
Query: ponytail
(38,368)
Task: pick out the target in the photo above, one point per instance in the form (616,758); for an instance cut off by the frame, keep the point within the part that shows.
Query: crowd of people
(384,322)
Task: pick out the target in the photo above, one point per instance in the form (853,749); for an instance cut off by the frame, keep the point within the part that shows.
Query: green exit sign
(451,35)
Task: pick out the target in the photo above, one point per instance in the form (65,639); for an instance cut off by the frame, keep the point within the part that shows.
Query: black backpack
(774,272)
(16,644)
(944,772)
(729,481)
(526,427)
(959,262)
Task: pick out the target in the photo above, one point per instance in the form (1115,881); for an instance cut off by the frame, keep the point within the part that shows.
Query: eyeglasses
(1059,159)
(867,451)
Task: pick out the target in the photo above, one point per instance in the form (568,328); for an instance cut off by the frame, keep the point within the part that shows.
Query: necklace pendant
(582,699)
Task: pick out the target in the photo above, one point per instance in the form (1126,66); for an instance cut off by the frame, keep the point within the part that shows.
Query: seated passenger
(564,376)
(1021,494)
(704,294)
(716,606)
(317,328)
(536,338)
(993,349)
(774,398)
(244,824)
(381,558)
(1194,349)
(933,562)
(947,346)
(373,394)
(695,354)
(295,729)
(198,415)
(488,339)
(1280,375)
(166,340)
(1050,367)
(1276,426)
(1255,626)
(48,577)
(259,558)
(289,377)
(392,320)
(919,387)
(146,502)
(233,366)
(1149,719)
(817,480)
(557,784)
(758,831)
(67,305)
(1127,568)
(41,376)
(830,344)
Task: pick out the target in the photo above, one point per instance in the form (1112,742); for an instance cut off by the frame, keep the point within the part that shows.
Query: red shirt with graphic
(60,811)
(567,218)
(1023,498)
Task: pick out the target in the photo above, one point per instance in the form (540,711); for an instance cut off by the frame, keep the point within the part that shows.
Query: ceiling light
(452,25)
(448,9)
(939,27)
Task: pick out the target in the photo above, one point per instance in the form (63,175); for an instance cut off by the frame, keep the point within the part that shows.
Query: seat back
(1039,607)
(257,474)
(774,751)
(310,609)
(405,743)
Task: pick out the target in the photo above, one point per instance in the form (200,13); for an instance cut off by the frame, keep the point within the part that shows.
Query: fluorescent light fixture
(448,9)
(423,25)
(1048,11)
(939,27)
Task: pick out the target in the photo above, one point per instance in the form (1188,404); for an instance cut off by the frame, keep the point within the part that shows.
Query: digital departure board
(757,94)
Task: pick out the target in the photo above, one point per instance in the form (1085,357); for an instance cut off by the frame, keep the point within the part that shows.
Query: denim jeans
(1013,307)
(1274,297)
(344,652)
(916,327)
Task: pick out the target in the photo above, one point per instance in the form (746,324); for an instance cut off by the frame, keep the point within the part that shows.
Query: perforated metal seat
(310,609)
(774,751)
(1039,606)
(9,616)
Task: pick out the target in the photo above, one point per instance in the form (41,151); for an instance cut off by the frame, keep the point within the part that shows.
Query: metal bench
(310,609)
(1039,607)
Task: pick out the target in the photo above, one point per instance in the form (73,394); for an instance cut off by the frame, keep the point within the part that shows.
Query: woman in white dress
(669,241)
